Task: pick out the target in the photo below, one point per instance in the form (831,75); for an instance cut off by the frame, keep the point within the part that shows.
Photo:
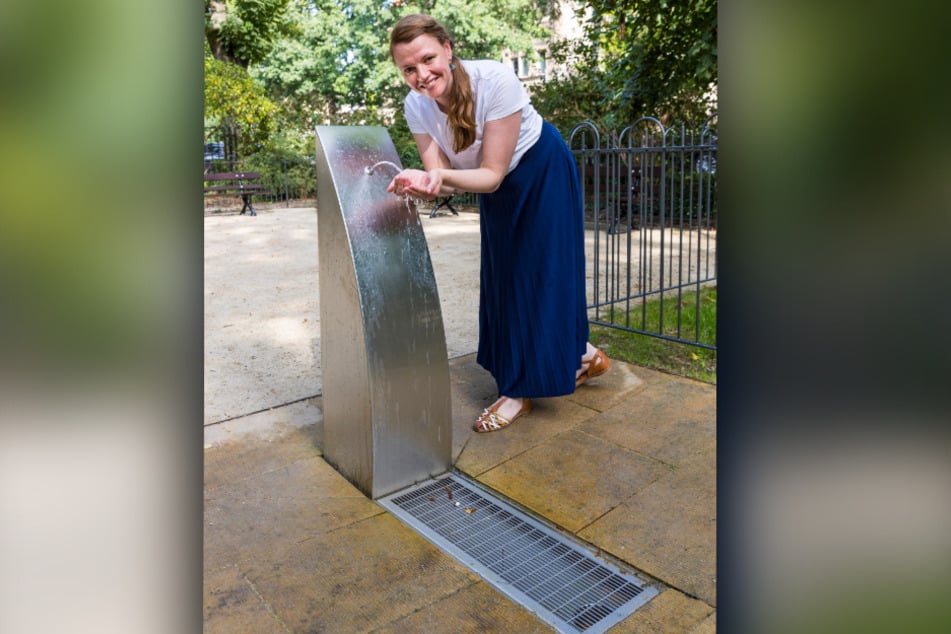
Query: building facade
(540,68)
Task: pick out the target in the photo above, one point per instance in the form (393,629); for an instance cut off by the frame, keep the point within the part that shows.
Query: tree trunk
(218,12)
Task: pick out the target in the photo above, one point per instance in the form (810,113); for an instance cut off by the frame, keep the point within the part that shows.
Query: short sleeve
(413,116)
(504,95)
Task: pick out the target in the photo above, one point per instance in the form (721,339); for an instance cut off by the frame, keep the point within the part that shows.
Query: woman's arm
(430,152)
(412,181)
(498,145)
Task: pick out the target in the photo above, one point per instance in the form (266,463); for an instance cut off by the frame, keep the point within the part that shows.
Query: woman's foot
(502,413)
(593,363)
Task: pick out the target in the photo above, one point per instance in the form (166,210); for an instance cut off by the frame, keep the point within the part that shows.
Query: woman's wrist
(439,174)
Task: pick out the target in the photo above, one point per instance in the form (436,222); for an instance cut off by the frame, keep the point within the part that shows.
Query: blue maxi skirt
(533,322)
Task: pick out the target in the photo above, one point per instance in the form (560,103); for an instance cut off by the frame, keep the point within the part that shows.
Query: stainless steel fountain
(387,409)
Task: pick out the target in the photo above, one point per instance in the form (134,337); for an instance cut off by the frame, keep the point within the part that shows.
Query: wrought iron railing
(650,197)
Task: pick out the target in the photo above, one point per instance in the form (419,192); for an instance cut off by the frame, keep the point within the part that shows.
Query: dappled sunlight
(261,311)
(290,331)
(446,225)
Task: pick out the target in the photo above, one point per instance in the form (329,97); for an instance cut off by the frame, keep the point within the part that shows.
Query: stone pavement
(627,464)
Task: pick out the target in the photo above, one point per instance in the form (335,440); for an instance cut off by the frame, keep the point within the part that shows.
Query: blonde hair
(461,111)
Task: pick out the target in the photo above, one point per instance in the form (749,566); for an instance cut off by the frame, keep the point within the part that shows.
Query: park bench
(440,203)
(235,184)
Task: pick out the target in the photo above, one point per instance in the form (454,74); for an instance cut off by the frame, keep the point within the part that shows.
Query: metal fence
(650,196)
(285,176)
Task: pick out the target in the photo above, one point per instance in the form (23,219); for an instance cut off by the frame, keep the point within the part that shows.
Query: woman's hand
(417,183)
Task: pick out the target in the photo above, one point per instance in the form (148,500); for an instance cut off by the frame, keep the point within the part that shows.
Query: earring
(452,66)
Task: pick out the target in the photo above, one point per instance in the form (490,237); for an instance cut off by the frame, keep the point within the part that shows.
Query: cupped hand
(416,183)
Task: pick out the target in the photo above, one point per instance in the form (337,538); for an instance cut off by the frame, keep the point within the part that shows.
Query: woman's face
(424,64)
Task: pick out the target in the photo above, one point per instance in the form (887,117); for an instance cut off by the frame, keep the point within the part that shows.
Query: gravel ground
(262,327)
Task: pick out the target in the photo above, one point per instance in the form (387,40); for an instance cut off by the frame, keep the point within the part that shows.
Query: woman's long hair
(461,112)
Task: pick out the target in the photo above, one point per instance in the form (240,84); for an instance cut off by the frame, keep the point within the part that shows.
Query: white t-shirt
(497,93)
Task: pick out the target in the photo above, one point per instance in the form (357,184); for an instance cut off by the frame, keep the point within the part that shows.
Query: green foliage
(334,68)
(243,31)
(283,171)
(235,99)
(326,62)
(639,57)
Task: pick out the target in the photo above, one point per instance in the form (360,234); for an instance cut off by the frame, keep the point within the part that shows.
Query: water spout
(370,169)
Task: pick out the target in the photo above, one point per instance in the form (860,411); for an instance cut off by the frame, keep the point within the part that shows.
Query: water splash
(412,204)
(416,202)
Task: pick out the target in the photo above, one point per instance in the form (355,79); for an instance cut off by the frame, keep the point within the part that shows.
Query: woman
(477,131)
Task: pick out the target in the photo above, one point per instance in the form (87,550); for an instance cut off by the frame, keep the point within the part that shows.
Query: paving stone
(231,605)
(473,389)
(257,444)
(670,611)
(573,478)
(357,578)
(268,423)
(549,418)
(254,516)
(667,420)
(617,385)
(475,609)
(707,626)
(668,529)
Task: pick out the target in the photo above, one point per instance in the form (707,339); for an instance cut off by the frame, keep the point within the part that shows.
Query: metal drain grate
(565,585)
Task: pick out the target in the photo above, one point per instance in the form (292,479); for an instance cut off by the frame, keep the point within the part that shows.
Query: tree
(639,57)
(242,32)
(239,33)
(335,68)
(233,99)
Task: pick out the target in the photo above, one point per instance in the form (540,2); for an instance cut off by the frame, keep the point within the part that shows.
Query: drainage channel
(564,584)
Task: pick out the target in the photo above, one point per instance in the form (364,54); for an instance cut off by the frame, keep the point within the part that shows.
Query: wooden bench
(232,184)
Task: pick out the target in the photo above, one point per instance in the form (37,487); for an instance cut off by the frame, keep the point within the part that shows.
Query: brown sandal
(491,420)
(598,365)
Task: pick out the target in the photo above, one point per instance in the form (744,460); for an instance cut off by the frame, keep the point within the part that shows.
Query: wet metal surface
(387,410)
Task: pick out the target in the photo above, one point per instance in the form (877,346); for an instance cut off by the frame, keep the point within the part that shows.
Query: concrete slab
(670,611)
(707,626)
(255,517)
(669,420)
(475,609)
(233,606)
(668,529)
(548,418)
(357,578)
(574,478)
(259,443)
(617,385)
(277,515)
(269,424)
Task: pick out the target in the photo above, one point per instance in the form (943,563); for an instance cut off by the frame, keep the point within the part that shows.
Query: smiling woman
(477,131)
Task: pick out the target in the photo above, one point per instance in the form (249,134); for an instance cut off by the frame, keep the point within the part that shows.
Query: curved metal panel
(387,409)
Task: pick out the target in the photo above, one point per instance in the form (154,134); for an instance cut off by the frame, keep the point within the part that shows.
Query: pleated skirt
(533,321)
